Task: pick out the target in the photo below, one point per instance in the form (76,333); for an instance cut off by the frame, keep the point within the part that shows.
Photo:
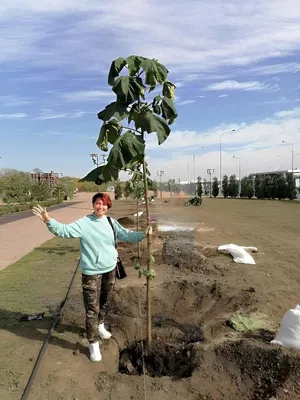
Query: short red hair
(104,197)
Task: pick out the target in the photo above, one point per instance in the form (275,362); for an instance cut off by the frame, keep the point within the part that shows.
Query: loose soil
(195,354)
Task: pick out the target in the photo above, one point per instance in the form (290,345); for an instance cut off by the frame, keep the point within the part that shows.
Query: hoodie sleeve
(125,235)
(67,231)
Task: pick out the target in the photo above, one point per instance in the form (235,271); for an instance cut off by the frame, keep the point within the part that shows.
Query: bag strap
(112,227)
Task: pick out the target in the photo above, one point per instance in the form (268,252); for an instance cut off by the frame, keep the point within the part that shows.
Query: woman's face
(100,208)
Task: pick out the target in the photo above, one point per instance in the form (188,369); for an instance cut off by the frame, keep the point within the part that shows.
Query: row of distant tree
(127,189)
(277,186)
(18,187)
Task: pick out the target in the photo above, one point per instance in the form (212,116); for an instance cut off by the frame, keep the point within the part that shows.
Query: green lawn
(38,281)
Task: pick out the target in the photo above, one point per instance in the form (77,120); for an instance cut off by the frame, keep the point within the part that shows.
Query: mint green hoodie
(98,253)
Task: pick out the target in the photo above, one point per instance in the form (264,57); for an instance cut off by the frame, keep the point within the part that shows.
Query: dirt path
(17,238)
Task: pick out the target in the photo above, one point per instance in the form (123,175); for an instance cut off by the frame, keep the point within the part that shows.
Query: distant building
(51,178)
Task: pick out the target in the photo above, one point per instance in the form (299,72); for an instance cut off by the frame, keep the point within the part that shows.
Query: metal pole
(293,161)
(240,183)
(223,133)
(221,159)
(194,173)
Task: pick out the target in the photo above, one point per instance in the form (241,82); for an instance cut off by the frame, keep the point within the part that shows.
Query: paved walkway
(18,238)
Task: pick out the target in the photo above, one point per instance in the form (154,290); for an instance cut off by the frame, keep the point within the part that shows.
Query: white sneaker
(103,333)
(95,353)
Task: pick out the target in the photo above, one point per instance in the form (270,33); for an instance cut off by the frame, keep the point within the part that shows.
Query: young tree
(274,189)
(215,187)
(37,171)
(291,187)
(199,187)
(206,187)
(16,187)
(69,186)
(250,188)
(267,186)
(244,186)
(128,142)
(233,189)
(259,194)
(128,189)
(225,186)
(118,190)
(247,190)
(281,192)
(40,191)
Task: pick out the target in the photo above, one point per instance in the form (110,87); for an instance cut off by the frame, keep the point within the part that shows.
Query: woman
(98,261)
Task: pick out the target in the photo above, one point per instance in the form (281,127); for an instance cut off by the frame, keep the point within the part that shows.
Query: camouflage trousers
(96,290)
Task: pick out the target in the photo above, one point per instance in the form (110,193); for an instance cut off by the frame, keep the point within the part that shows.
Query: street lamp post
(240,187)
(194,172)
(160,174)
(95,159)
(209,172)
(221,134)
(291,144)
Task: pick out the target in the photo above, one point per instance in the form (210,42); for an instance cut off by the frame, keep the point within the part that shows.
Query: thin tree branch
(127,127)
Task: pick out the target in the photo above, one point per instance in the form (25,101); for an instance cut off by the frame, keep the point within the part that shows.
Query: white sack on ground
(289,331)
(140,213)
(238,253)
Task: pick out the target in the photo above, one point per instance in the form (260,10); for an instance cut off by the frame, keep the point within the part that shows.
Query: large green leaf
(126,149)
(99,175)
(156,104)
(109,132)
(148,122)
(155,72)
(134,64)
(244,324)
(109,173)
(128,89)
(115,69)
(116,110)
(169,112)
(169,90)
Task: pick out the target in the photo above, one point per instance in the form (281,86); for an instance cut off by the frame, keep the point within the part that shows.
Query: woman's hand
(41,213)
(148,231)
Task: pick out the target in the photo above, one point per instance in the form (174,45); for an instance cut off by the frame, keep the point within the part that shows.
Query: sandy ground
(195,355)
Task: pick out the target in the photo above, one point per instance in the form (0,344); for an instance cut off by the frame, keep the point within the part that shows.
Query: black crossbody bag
(120,270)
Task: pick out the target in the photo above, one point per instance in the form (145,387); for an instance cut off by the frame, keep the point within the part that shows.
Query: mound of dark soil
(181,252)
(161,360)
(125,221)
(250,370)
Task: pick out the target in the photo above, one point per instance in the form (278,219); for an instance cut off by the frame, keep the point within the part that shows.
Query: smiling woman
(97,234)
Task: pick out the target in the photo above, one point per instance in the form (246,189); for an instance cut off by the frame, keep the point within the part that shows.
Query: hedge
(13,208)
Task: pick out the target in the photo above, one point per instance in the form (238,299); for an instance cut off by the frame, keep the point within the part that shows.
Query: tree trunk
(138,226)
(148,300)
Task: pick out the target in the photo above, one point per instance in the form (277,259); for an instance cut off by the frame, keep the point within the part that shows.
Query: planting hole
(178,361)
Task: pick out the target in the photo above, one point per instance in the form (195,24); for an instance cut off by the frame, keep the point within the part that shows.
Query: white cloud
(250,86)
(88,95)
(272,31)
(223,95)
(280,100)
(275,69)
(258,144)
(13,116)
(14,101)
(186,102)
(50,114)
(288,113)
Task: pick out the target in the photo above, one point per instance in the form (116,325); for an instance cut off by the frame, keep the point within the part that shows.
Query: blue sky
(236,66)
